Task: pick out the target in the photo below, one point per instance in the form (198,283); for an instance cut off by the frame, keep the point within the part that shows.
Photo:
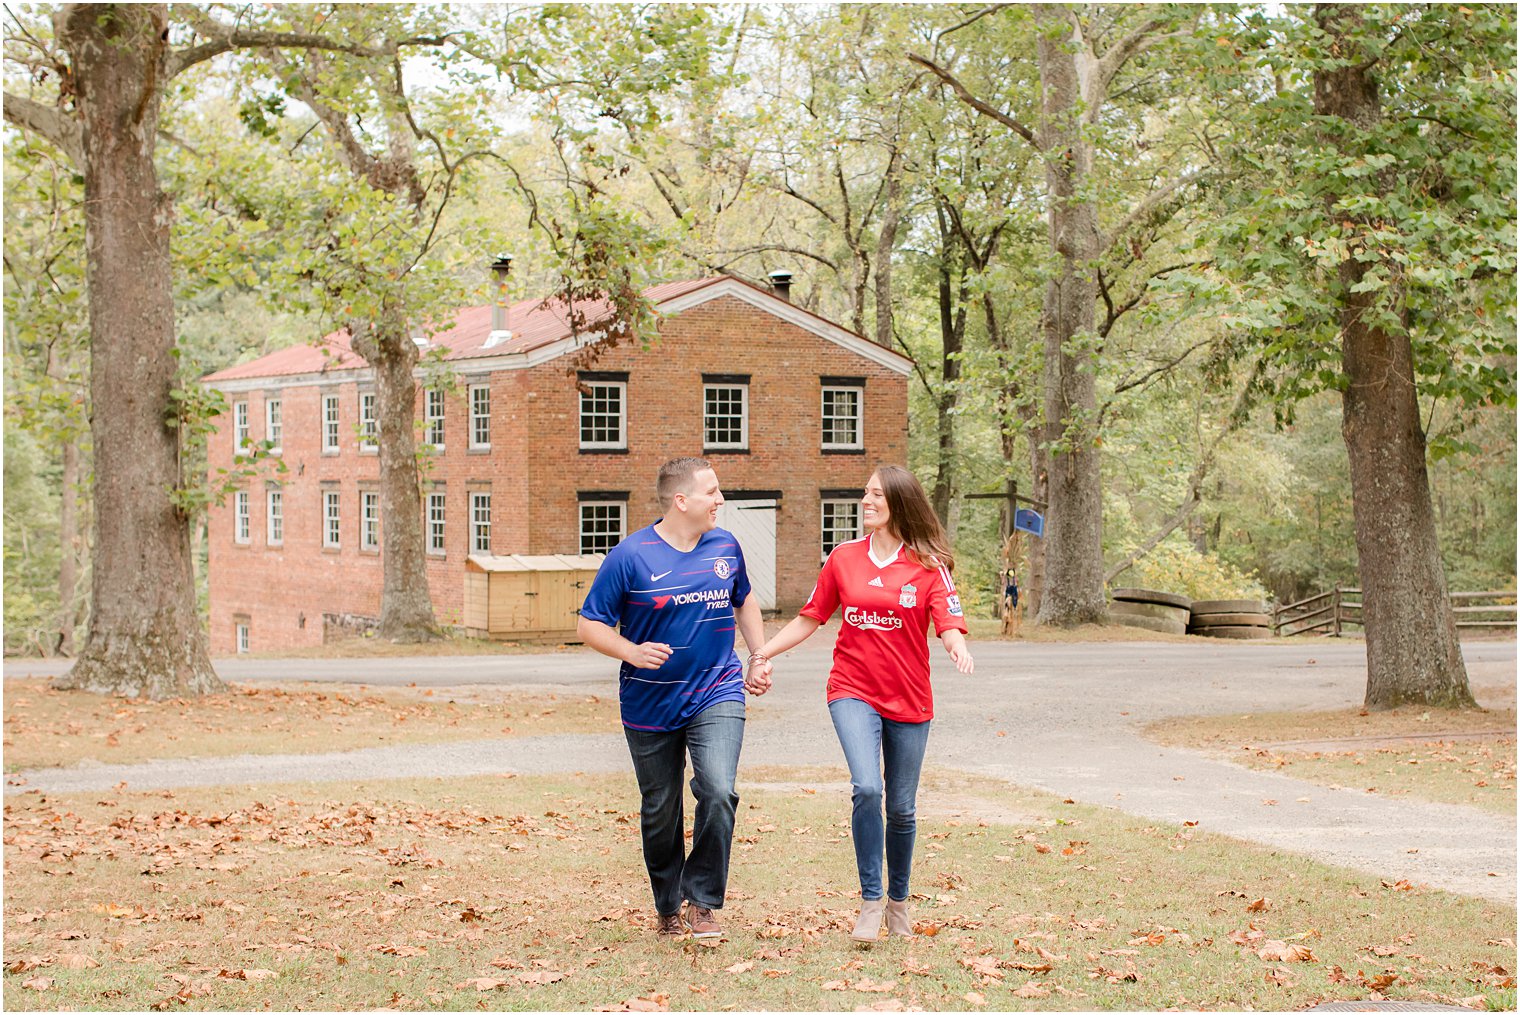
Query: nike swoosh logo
(662,574)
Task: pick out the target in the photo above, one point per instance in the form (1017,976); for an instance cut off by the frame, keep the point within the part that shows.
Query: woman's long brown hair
(913,519)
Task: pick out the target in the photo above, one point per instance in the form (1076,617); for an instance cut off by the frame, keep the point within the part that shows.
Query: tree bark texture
(145,636)
(952,331)
(1039,468)
(406,608)
(1413,655)
(68,550)
(886,241)
(1073,591)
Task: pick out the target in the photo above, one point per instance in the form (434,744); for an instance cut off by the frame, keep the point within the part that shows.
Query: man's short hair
(675,477)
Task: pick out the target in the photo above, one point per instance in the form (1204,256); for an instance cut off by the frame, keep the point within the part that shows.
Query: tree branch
(973,19)
(1194,497)
(923,378)
(1147,205)
(49,123)
(975,103)
(224,38)
(790,191)
(1170,364)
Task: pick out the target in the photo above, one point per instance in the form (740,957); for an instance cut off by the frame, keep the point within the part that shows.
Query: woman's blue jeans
(885,758)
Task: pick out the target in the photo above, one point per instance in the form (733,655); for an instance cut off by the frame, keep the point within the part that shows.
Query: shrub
(1182,569)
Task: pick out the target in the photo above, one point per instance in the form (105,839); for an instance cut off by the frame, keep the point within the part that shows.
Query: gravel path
(1061,718)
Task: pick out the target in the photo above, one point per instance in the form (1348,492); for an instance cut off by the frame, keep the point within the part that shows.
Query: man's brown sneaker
(671,926)
(702,921)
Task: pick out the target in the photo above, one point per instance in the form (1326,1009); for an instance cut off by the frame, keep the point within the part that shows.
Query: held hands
(758,680)
(650,655)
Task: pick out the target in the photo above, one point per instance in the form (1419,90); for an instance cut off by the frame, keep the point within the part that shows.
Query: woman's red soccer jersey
(882,655)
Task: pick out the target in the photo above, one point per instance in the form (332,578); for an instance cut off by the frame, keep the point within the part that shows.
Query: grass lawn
(529,893)
(44,727)
(1465,757)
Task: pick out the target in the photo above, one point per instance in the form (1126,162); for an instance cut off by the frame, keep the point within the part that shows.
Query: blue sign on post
(1029,520)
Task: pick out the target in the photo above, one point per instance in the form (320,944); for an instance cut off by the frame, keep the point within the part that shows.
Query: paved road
(1070,715)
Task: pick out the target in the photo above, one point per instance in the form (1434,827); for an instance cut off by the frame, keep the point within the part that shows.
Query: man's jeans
(873,744)
(659,760)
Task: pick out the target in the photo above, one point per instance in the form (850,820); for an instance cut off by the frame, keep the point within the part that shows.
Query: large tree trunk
(1073,592)
(406,608)
(1412,651)
(886,242)
(952,330)
(68,550)
(145,637)
(1039,468)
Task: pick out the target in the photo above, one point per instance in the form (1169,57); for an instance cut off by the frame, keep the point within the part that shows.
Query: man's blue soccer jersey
(686,600)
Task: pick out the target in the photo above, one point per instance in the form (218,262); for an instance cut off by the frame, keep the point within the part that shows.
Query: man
(678,589)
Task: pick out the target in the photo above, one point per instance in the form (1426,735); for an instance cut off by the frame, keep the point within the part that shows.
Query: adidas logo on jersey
(876,582)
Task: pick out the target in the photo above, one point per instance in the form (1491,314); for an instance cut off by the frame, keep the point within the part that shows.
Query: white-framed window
(841,523)
(274,428)
(432,409)
(480,416)
(480,522)
(369,424)
(240,526)
(330,431)
(240,428)
(437,503)
(601,524)
(332,514)
(275,516)
(241,630)
(369,520)
(604,419)
(725,415)
(841,417)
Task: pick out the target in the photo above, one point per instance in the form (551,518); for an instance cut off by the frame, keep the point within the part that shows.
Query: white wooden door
(753,523)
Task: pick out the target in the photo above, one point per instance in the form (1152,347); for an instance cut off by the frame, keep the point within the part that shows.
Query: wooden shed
(526,597)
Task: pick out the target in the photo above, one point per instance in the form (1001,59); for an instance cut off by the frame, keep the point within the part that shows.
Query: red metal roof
(533,323)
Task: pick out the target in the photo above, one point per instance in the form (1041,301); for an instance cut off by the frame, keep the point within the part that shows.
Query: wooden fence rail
(1333,611)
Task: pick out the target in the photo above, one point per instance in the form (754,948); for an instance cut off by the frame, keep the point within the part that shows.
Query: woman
(889,582)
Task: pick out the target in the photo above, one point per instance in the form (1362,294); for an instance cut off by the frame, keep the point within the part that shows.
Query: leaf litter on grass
(46,727)
(532,891)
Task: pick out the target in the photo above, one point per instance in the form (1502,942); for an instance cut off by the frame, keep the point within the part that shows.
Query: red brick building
(791,409)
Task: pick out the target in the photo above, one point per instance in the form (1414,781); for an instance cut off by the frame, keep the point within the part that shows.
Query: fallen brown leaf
(483,983)
(871,986)
(75,961)
(540,977)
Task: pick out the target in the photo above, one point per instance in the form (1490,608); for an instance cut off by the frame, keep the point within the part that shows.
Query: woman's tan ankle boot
(868,923)
(899,921)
